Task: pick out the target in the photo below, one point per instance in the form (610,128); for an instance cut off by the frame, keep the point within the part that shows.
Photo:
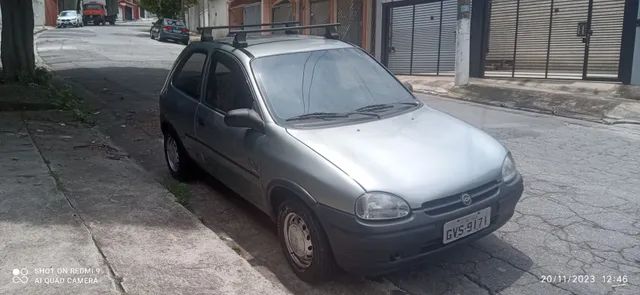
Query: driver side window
(227,88)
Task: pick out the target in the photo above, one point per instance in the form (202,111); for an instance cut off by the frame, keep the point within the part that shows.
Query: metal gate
(421,38)
(349,14)
(567,39)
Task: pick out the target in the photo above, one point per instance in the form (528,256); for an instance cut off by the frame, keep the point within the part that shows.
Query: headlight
(381,206)
(509,171)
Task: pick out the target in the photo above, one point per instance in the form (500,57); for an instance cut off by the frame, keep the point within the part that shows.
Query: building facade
(355,16)
(559,39)
(207,13)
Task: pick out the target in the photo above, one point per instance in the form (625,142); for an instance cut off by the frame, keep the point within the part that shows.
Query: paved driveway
(579,214)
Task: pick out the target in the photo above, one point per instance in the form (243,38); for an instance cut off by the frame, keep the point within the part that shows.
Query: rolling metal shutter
(502,36)
(448,37)
(533,34)
(604,48)
(540,38)
(426,41)
(423,38)
(566,50)
(401,30)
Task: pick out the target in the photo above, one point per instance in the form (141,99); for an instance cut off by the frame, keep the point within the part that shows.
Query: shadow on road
(127,102)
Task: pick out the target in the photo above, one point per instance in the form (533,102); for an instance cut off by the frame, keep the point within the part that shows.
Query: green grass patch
(38,92)
(181,192)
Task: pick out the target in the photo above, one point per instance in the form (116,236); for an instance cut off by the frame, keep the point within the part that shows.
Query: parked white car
(69,18)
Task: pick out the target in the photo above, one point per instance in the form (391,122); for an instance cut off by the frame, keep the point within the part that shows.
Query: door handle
(200,121)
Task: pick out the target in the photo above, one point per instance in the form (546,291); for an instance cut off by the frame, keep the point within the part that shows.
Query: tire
(299,229)
(178,161)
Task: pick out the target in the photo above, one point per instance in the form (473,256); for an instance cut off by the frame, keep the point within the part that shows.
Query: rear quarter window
(188,78)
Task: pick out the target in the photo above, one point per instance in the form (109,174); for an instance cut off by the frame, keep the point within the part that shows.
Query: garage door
(574,39)
(421,38)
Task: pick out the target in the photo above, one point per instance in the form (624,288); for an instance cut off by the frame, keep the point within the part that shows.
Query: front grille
(454,202)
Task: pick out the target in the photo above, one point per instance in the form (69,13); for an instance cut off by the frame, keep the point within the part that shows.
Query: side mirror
(408,86)
(244,118)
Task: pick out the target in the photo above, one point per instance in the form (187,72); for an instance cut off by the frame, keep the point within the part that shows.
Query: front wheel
(304,242)
(178,161)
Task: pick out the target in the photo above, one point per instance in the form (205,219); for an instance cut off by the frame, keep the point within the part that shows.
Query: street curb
(38,59)
(452,94)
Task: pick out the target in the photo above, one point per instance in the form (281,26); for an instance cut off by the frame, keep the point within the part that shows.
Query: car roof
(275,44)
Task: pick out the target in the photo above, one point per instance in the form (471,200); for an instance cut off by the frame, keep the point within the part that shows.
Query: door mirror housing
(244,118)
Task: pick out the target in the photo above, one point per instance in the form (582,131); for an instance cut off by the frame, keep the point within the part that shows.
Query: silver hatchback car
(356,172)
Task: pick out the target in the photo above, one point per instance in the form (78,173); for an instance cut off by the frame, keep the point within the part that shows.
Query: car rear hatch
(174,27)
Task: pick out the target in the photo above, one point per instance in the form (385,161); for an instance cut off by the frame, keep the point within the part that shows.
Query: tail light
(166,28)
(185,30)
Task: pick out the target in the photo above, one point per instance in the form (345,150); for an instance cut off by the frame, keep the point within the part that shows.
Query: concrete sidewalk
(78,216)
(604,102)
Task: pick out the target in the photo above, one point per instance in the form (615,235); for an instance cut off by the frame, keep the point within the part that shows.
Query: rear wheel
(178,161)
(304,242)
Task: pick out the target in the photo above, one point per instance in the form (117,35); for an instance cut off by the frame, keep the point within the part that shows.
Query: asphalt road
(579,215)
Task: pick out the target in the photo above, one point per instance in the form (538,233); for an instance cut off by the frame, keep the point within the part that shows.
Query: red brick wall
(50,12)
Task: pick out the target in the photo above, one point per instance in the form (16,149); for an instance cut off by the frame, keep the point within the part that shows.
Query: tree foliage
(167,8)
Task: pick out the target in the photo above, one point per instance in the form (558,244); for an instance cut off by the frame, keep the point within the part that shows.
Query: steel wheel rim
(298,240)
(173,159)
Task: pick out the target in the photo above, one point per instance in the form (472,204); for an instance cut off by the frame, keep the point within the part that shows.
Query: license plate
(466,225)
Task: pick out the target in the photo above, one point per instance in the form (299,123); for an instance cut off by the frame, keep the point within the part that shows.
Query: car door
(180,101)
(232,150)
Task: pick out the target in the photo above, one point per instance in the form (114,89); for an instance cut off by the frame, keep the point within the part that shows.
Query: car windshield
(68,13)
(325,84)
(173,22)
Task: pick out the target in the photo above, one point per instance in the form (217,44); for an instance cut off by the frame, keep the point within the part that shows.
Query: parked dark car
(355,170)
(170,29)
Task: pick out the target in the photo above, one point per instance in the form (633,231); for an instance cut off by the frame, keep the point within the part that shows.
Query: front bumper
(373,248)
(62,23)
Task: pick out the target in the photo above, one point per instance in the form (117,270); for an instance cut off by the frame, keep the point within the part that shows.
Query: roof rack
(206,32)
(240,37)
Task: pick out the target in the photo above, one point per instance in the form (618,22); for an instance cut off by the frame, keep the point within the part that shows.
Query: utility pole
(463,35)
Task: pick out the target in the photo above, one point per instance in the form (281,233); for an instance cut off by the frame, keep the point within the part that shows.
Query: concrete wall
(38,13)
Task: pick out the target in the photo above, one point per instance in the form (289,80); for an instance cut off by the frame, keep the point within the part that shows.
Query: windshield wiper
(383,106)
(326,115)
(317,115)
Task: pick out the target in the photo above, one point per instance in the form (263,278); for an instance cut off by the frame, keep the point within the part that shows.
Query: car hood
(420,156)
(66,17)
